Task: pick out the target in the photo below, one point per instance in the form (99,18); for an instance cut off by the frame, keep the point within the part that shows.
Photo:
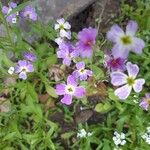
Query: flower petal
(71,80)
(61,21)
(80,65)
(132,69)
(67,61)
(131,28)
(138,86)
(67,26)
(118,78)
(119,50)
(60,89)
(67,99)
(80,92)
(114,33)
(123,92)
(138,45)
(144,104)
(23,75)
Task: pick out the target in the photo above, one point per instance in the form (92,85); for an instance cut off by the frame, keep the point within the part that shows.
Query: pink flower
(70,90)
(87,39)
(127,82)
(125,41)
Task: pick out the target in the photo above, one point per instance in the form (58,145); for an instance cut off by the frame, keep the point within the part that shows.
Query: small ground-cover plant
(48,72)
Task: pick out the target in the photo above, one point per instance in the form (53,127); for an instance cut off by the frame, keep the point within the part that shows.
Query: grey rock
(52,9)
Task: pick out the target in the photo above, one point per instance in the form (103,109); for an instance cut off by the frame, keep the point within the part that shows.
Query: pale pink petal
(71,80)
(114,33)
(60,89)
(131,28)
(119,50)
(80,65)
(67,99)
(123,92)
(132,69)
(138,85)
(138,45)
(118,78)
(80,92)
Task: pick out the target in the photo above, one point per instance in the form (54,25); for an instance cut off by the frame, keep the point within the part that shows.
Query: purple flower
(23,67)
(125,41)
(67,52)
(87,39)
(81,72)
(115,64)
(127,82)
(145,102)
(70,90)
(6,10)
(30,56)
(29,12)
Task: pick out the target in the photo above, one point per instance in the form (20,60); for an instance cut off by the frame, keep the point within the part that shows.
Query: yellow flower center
(130,81)
(126,40)
(61,26)
(70,89)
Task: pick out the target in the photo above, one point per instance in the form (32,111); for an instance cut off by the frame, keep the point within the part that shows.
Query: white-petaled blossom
(82,133)
(63,27)
(146,136)
(119,139)
(11,70)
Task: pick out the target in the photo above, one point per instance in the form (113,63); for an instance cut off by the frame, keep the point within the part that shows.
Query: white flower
(11,70)
(82,133)
(119,139)
(146,136)
(64,28)
(62,25)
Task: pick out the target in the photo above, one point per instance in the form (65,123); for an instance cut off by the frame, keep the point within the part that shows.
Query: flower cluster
(28,13)
(6,10)
(68,52)
(146,136)
(24,66)
(124,42)
(63,27)
(119,139)
(83,134)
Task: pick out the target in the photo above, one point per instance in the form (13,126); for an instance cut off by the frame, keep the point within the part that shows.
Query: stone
(53,9)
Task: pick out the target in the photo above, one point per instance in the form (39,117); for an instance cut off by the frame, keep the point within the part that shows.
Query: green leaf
(98,72)
(51,91)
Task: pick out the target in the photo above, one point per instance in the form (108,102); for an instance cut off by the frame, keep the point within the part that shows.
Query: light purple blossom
(6,10)
(29,12)
(114,64)
(30,56)
(23,67)
(64,28)
(86,41)
(70,90)
(145,102)
(67,52)
(81,72)
(127,82)
(125,41)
